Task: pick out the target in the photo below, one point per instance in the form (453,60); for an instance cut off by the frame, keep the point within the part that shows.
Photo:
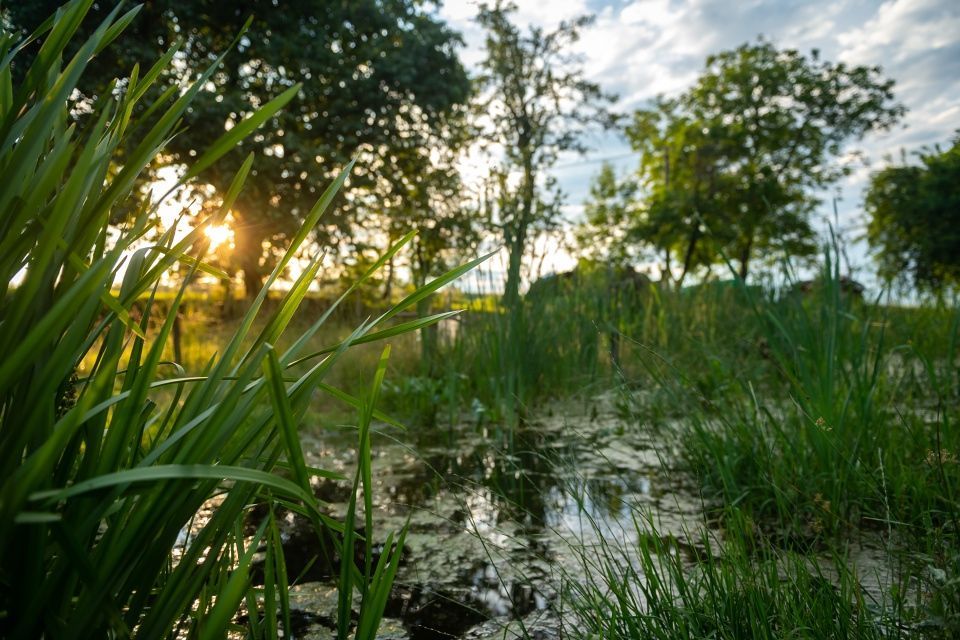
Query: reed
(110,453)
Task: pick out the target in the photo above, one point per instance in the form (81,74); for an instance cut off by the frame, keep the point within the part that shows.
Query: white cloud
(641,48)
(901,29)
(549,12)
(457,12)
(529,12)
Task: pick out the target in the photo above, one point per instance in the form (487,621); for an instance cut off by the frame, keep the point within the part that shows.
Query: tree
(735,162)
(609,211)
(914,223)
(448,225)
(380,79)
(687,211)
(675,202)
(535,103)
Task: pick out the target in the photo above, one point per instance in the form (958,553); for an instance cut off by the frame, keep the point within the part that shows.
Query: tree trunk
(745,260)
(667,276)
(511,290)
(252,281)
(388,285)
(518,238)
(229,309)
(688,256)
(511,295)
(248,243)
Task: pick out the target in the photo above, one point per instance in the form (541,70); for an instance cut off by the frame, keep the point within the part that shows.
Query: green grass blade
(243,129)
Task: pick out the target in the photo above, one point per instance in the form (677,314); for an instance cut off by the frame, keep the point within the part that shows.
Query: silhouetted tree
(380,80)
(535,102)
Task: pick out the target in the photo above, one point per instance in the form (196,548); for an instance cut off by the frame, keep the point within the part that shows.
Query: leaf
(404,327)
(214,625)
(173,472)
(428,289)
(232,137)
(284,417)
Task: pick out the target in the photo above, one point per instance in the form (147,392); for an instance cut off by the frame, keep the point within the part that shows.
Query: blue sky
(642,48)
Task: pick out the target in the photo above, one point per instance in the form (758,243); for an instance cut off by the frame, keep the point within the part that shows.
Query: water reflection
(491,518)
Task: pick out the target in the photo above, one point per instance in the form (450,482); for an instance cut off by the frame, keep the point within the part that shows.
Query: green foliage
(734,161)
(125,480)
(538,103)
(734,591)
(844,440)
(377,81)
(915,220)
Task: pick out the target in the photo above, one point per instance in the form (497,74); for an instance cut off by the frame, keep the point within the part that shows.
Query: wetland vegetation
(309,405)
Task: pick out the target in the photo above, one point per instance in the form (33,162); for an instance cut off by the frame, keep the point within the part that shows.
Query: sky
(641,48)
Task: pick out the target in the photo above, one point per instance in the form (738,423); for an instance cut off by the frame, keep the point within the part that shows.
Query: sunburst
(218,235)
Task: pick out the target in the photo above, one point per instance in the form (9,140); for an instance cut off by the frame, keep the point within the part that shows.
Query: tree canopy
(535,103)
(735,162)
(381,81)
(610,204)
(914,225)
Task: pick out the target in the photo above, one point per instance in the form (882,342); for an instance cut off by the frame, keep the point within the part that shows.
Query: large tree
(535,102)
(736,161)
(914,223)
(381,79)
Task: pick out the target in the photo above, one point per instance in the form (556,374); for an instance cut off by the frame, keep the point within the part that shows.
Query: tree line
(729,169)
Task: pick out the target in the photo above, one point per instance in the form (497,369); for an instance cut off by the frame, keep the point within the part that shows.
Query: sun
(218,234)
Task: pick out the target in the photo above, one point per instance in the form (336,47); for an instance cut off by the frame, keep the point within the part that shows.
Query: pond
(497,520)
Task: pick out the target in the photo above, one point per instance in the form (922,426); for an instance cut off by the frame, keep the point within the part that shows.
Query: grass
(109,448)
(865,432)
(809,420)
(849,430)
(738,588)
(569,337)
(806,420)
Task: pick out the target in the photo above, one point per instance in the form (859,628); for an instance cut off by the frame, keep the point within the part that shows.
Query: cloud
(461,15)
(529,12)
(901,29)
(917,42)
(642,48)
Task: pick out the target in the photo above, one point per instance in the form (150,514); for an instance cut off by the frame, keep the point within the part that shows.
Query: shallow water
(498,523)
(495,519)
